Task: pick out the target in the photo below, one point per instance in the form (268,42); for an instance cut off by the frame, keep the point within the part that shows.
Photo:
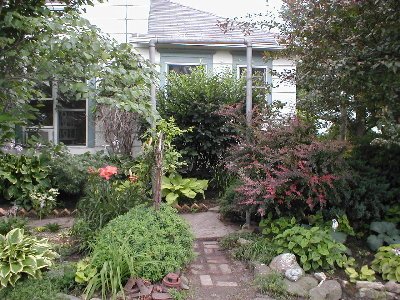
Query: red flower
(107,172)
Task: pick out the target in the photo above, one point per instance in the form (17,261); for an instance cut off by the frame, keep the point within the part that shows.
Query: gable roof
(168,19)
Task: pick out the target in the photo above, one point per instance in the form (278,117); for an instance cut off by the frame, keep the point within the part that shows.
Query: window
(259,80)
(58,118)
(182,68)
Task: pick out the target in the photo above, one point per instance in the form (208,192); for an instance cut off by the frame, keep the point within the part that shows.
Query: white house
(183,37)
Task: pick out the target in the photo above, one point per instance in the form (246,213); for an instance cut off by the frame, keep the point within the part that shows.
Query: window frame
(197,64)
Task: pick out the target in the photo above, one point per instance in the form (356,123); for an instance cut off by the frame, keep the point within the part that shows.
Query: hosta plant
(175,187)
(274,227)
(314,247)
(23,255)
(364,274)
(387,262)
(386,233)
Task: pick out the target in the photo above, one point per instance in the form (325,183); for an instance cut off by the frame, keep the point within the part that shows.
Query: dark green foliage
(20,175)
(272,227)
(103,201)
(8,223)
(273,285)
(194,100)
(58,280)
(384,233)
(142,243)
(314,247)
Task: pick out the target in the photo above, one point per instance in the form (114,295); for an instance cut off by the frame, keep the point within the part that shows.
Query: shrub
(194,100)
(314,247)
(141,243)
(44,202)
(20,175)
(282,166)
(230,241)
(9,223)
(387,262)
(272,284)
(103,201)
(23,255)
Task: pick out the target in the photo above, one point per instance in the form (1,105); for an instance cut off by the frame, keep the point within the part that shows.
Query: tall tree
(38,45)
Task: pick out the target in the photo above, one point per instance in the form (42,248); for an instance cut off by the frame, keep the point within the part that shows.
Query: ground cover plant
(144,242)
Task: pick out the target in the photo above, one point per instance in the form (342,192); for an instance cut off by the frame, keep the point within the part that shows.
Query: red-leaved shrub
(282,165)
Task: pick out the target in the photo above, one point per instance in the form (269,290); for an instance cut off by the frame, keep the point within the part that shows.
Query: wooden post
(158,170)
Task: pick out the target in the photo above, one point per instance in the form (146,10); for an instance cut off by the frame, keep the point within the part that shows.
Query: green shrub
(22,174)
(194,101)
(273,285)
(52,227)
(9,223)
(387,262)
(314,247)
(272,227)
(23,255)
(58,280)
(141,243)
(103,201)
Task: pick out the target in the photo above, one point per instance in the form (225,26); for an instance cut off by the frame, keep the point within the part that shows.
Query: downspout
(249,100)
(152,54)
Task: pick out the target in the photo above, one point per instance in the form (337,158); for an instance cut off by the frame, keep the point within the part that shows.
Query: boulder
(328,290)
(370,285)
(284,262)
(301,287)
(320,276)
(61,296)
(294,274)
(392,287)
(367,293)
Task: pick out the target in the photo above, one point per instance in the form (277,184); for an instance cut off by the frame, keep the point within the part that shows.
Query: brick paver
(213,275)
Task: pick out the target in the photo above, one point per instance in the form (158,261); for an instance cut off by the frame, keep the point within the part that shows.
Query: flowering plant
(44,201)
(107,172)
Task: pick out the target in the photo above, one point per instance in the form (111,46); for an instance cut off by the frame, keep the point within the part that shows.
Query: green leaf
(15,236)
(188,193)
(16,267)
(171,198)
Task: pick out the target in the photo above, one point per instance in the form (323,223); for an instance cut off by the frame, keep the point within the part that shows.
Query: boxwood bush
(142,243)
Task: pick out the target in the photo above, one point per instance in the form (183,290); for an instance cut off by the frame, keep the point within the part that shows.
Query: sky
(232,8)
(110,15)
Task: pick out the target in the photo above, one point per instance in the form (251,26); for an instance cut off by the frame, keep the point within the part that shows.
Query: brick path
(215,276)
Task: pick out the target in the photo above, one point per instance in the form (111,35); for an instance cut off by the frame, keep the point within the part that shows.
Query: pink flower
(107,172)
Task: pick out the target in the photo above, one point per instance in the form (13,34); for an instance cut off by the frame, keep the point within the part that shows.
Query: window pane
(44,116)
(77,104)
(72,129)
(258,73)
(45,88)
(182,69)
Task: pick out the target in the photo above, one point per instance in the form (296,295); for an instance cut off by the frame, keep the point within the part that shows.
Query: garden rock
(370,285)
(284,262)
(393,287)
(368,293)
(328,290)
(294,274)
(261,269)
(301,287)
(320,276)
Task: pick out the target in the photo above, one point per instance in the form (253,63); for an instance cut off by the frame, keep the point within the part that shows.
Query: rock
(320,276)
(367,293)
(184,280)
(61,296)
(261,269)
(214,209)
(392,296)
(301,287)
(392,287)
(284,262)
(294,274)
(370,285)
(328,290)
(184,286)
(242,241)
